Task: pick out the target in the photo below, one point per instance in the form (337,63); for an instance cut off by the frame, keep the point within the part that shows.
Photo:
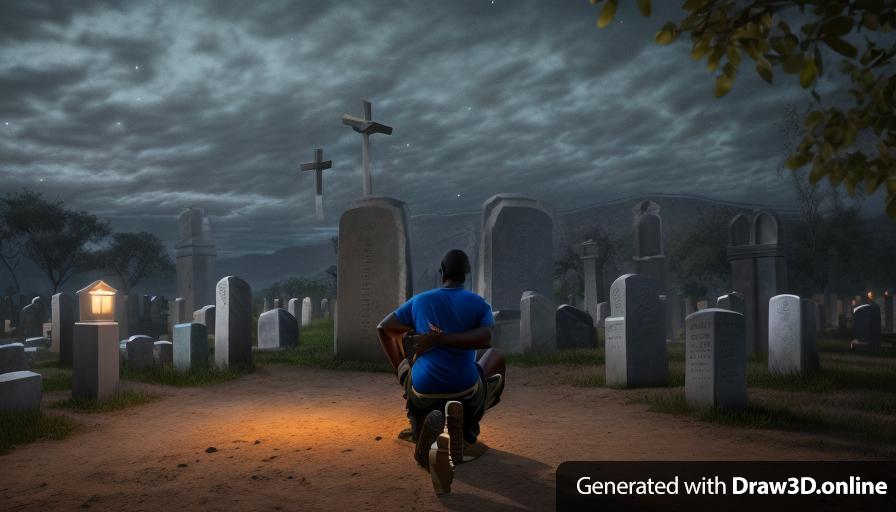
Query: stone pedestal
(374,274)
(716,359)
(190,347)
(20,392)
(277,329)
(95,360)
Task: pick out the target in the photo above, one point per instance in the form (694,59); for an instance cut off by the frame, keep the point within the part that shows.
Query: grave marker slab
(63,313)
(575,328)
(163,352)
(20,392)
(206,317)
(866,325)
(538,327)
(140,352)
(715,359)
(190,346)
(233,323)
(277,329)
(791,335)
(12,358)
(635,334)
(732,301)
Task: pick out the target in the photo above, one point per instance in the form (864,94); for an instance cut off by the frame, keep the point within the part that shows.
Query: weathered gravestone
(157,312)
(731,301)
(791,335)
(63,315)
(294,306)
(177,313)
(277,329)
(650,259)
(163,352)
(506,331)
(195,260)
(206,317)
(595,284)
(635,334)
(20,392)
(233,323)
(515,250)
(139,352)
(715,359)
(12,358)
(866,325)
(758,271)
(307,311)
(603,311)
(190,346)
(374,273)
(325,308)
(575,328)
(538,328)
(32,319)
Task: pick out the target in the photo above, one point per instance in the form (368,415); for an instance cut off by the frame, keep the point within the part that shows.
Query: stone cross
(318,166)
(366,127)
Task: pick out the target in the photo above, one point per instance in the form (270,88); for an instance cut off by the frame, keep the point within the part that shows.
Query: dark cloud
(137,111)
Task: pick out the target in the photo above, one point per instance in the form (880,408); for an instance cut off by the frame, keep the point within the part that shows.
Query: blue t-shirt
(454,310)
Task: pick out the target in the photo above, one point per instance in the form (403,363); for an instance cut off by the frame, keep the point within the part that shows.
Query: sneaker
(441,469)
(429,431)
(454,424)
(494,385)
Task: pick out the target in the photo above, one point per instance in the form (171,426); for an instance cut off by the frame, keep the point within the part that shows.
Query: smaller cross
(318,166)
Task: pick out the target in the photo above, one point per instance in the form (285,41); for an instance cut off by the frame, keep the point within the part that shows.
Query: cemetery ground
(301,431)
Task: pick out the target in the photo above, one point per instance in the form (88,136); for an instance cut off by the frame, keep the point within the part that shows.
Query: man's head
(455,266)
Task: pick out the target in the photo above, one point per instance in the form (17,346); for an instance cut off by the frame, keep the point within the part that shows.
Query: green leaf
(813,119)
(644,7)
(796,161)
(607,13)
(666,34)
(764,69)
(808,74)
(838,26)
(840,46)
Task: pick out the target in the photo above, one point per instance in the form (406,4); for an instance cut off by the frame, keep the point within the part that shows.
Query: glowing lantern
(97,301)
(870,296)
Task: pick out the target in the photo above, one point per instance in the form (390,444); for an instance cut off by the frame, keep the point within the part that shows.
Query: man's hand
(420,343)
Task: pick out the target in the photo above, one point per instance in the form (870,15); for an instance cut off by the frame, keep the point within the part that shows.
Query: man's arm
(390,331)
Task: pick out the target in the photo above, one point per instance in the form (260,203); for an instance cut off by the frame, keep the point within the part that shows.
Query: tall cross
(366,127)
(318,166)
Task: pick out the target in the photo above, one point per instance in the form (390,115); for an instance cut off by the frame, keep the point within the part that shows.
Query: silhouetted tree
(134,256)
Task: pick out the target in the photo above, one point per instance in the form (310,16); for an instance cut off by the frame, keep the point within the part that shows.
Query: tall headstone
(277,329)
(233,323)
(195,260)
(190,347)
(307,311)
(206,317)
(325,308)
(715,359)
(294,306)
(635,334)
(866,324)
(732,301)
(538,327)
(63,315)
(758,271)
(158,310)
(791,335)
(374,273)
(650,258)
(515,250)
(603,311)
(32,319)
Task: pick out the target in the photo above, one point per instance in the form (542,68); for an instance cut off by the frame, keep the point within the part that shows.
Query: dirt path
(306,439)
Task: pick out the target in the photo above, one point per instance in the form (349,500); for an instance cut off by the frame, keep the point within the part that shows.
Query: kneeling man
(432,342)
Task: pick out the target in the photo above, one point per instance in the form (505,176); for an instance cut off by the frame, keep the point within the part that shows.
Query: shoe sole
(441,470)
(454,423)
(433,425)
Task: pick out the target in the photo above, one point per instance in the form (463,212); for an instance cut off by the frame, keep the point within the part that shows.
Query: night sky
(134,112)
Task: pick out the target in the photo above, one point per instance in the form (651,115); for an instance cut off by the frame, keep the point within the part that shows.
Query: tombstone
(325,308)
(277,329)
(538,327)
(603,311)
(866,325)
(650,258)
(163,352)
(758,271)
(121,314)
(63,316)
(177,313)
(732,301)
(593,269)
(233,323)
(157,308)
(140,352)
(515,250)
(95,344)
(32,319)
(38,342)
(715,359)
(190,346)
(195,260)
(791,335)
(575,328)
(206,317)
(506,331)
(12,358)
(374,271)
(294,306)
(307,311)
(276,303)
(20,392)
(635,334)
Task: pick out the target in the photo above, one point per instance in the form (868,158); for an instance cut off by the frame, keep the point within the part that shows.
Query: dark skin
(391,331)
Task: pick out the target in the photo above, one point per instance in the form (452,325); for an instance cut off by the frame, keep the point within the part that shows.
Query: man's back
(453,310)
